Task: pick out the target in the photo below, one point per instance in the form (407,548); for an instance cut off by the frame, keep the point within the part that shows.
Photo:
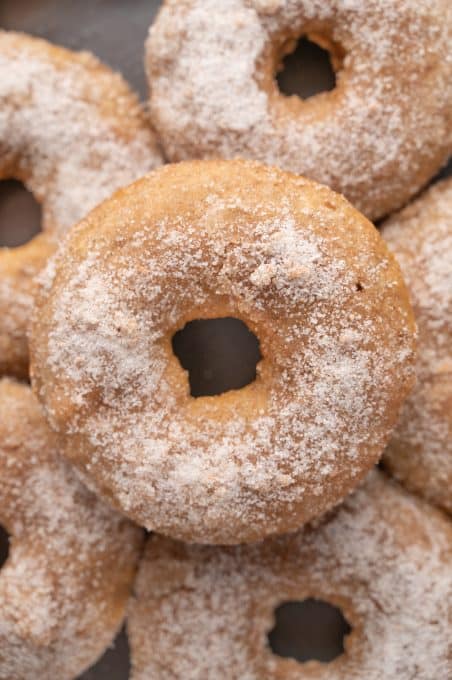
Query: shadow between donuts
(114,663)
(308,630)
(4,545)
(20,214)
(219,355)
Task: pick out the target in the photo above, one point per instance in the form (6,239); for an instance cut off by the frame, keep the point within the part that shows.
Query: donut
(384,559)
(71,562)
(377,137)
(420,450)
(72,132)
(303,270)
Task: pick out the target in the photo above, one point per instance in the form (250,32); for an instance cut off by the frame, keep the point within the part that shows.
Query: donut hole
(306,69)
(4,546)
(219,355)
(308,630)
(20,214)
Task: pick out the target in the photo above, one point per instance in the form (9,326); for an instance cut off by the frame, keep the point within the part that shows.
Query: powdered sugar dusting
(383,558)
(336,359)
(421,450)
(377,138)
(70,126)
(65,584)
(73,132)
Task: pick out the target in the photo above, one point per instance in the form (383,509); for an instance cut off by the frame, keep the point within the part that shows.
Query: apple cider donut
(420,450)
(72,131)
(309,276)
(377,137)
(384,558)
(71,563)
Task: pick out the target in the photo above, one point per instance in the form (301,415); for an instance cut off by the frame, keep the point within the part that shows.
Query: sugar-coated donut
(420,451)
(72,131)
(72,560)
(311,278)
(377,137)
(384,558)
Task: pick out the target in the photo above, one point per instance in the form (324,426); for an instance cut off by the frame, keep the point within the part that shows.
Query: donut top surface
(420,451)
(71,562)
(310,277)
(377,137)
(421,238)
(70,128)
(384,558)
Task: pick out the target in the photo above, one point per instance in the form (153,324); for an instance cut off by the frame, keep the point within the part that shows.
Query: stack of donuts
(328,478)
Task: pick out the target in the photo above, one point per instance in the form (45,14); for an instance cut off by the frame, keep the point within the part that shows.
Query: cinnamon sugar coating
(72,560)
(72,131)
(309,276)
(377,137)
(420,451)
(384,558)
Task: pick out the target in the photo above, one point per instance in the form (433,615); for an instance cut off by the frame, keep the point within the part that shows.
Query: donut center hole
(306,70)
(308,630)
(219,355)
(4,546)
(20,214)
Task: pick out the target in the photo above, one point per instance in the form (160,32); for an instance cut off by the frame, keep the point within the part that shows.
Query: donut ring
(377,137)
(384,558)
(72,560)
(420,451)
(311,278)
(72,131)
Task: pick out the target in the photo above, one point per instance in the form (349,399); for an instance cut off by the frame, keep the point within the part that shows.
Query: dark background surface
(115,30)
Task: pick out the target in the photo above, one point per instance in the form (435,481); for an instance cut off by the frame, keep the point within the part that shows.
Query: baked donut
(420,450)
(72,560)
(72,131)
(307,274)
(377,137)
(384,558)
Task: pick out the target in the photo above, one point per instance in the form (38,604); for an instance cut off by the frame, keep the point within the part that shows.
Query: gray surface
(115,30)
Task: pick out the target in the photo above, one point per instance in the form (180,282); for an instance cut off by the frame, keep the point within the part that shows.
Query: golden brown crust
(377,137)
(65,585)
(307,273)
(384,558)
(420,450)
(72,131)
(18,270)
